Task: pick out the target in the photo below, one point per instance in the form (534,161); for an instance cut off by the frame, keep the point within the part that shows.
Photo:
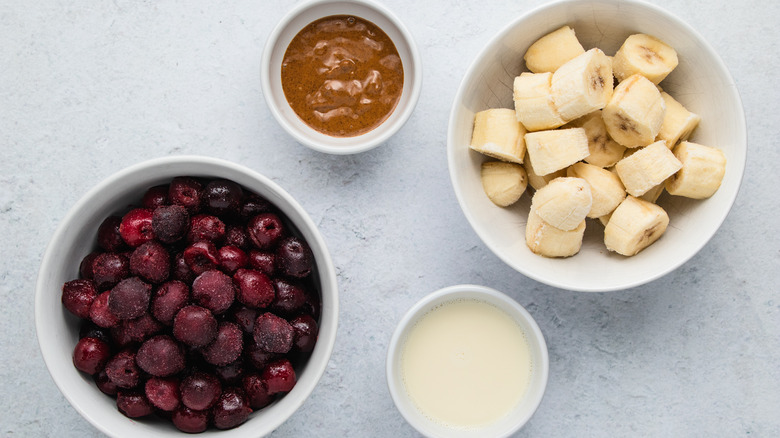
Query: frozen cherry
(305,333)
(195,326)
(206,227)
(223,197)
(273,334)
(231,373)
(189,420)
(213,290)
(253,205)
(85,267)
(293,257)
(187,192)
(155,197)
(163,393)
(231,258)
(236,235)
(265,230)
(180,270)
(136,330)
(226,347)
(89,329)
(99,312)
(256,391)
(263,261)
(91,355)
(245,318)
(201,256)
(104,384)
(130,298)
(78,295)
(109,268)
(170,223)
(160,356)
(258,357)
(253,288)
(133,404)
(279,376)
(151,262)
(169,298)
(199,391)
(290,296)
(108,237)
(231,409)
(136,227)
(122,370)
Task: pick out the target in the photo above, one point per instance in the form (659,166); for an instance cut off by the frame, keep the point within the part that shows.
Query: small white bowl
(520,414)
(271,67)
(57,330)
(701,82)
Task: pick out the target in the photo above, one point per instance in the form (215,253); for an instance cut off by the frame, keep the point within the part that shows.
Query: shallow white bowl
(75,237)
(271,68)
(516,418)
(701,82)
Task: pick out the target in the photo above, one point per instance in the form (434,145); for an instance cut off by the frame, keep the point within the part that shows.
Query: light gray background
(88,88)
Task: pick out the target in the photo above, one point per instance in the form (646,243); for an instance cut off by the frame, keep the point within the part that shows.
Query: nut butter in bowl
(341,77)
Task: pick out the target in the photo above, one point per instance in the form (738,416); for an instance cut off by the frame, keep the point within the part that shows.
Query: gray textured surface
(87,88)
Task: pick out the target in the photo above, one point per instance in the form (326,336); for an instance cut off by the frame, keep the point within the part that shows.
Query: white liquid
(466,364)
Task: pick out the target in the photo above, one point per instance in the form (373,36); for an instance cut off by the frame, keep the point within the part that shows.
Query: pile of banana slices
(593,149)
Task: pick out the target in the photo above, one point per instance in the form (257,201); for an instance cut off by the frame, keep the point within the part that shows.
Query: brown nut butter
(342,75)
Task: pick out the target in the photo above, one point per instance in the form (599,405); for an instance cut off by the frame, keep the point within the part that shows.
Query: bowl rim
(397,123)
(471,292)
(470,75)
(325,267)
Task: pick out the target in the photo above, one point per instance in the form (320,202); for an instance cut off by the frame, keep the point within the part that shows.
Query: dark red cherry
(169,298)
(265,230)
(206,227)
(273,334)
(254,289)
(130,298)
(136,227)
(155,197)
(133,404)
(231,409)
(163,393)
(223,197)
(170,223)
(189,420)
(109,239)
(160,356)
(213,290)
(78,295)
(199,391)
(195,326)
(187,192)
(151,261)
(279,376)
(91,355)
(306,330)
(109,268)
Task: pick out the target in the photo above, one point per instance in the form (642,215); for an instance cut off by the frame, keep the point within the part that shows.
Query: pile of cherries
(197,306)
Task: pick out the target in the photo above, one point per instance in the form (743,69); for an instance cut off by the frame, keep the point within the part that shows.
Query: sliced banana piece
(556,149)
(583,84)
(678,122)
(553,50)
(634,225)
(563,202)
(539,181)
(646,55)
(605,187)
(503,182)
(653,194)
(647,168)
(498,134)
(635,113)
(546,240)
(604,152)
(534,103)
(702,171)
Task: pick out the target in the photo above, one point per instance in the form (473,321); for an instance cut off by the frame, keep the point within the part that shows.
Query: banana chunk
(605,187)
(556,149)
(634,225)
(635,113)
(498,134)
(503,182)
(553,50)
(583,84)
(653,194)
(546,240)
(646,55)
(702,171)
(563,202)
(678,122)
(539,181)
(534,103)
(604,152)
(647,168)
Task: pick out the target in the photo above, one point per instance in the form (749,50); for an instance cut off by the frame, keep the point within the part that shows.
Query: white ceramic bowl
(520,414)
(701,82)
(271,67)
(57,329)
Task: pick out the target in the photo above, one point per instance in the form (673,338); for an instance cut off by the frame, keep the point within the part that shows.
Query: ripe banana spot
(650,55)
(626,124)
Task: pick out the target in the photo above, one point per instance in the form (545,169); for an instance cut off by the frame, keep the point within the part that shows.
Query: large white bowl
(57,330)
(701,82)
(271,73)
(520,414)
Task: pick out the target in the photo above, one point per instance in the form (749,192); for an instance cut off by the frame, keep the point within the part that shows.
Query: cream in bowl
(467,361)
(341,76)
